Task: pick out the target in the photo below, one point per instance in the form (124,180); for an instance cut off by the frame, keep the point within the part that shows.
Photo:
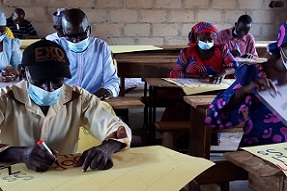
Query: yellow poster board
(150,168)
(274,153)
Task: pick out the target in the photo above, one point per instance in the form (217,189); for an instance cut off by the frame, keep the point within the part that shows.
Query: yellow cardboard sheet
(27,42)
(195,86)
(150,168)
(132,48)
(274,153)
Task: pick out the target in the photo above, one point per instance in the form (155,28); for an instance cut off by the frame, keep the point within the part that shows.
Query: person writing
(57,24)
(203,57)
(43,107)
(91,62)
(10,53)
(21,28)
(261,126)
(238,39)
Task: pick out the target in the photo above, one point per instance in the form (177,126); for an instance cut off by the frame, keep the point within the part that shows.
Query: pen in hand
(43,146)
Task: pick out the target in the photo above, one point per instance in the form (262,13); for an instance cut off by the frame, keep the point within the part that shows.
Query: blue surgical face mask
(79,46)
(285,57)
(42,97)
(2,36)
(205,46)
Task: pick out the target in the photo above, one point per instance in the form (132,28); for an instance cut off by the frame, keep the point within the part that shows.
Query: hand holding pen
(38,158)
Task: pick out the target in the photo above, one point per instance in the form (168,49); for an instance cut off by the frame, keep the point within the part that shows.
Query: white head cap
(2,19)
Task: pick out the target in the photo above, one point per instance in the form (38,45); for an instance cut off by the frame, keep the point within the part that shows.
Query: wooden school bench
(262,175)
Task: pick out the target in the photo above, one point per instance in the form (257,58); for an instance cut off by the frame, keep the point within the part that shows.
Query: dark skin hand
(103,93)
(99,157)
(34,157)
(274,69)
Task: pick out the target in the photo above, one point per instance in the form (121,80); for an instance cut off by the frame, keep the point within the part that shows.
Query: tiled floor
(229,141)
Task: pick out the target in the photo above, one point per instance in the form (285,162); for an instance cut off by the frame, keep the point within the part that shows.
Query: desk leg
(199,141)
(122,86)
(150,117)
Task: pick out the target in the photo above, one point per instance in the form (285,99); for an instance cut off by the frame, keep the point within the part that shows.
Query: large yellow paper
(27,42)
(132,48)
(143,168)
(274,153)
(195,86)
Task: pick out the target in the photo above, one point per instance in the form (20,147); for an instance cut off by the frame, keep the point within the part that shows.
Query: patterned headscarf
(199,28)
(281,39)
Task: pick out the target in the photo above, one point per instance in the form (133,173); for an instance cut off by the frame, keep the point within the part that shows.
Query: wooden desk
(131,64)
(199,145)
(199,141)
(125,103)
(263,175)
(166,97)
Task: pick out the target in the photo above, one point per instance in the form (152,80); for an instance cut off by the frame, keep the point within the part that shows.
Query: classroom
(143,95)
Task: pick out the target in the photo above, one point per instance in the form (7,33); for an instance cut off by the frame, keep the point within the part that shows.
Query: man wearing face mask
(44,107)
(238,39)
(91,60)
(10,53)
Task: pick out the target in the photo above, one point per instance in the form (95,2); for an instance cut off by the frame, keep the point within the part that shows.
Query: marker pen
(43,146)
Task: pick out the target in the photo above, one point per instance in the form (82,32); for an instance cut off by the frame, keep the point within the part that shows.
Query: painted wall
(153,21)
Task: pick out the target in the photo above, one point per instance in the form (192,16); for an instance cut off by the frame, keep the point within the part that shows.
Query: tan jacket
(22,122)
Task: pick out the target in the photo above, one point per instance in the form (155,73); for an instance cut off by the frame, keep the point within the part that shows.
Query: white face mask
(205,46)
(285,57)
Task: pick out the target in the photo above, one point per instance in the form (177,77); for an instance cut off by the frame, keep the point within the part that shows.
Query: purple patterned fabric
(261,126)
(281,39)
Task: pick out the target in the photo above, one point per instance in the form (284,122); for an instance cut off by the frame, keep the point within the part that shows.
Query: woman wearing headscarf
(262,126)
(203,58)
(10,53)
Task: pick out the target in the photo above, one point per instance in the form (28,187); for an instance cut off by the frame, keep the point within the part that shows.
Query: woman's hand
(260,84)
(216,79)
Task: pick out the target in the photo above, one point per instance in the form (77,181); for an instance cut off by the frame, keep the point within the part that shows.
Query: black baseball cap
(46,60)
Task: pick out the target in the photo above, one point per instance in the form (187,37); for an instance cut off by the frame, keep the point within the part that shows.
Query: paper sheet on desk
(274,153)
(143,169)
(132,48)
(276,102)
(195,86)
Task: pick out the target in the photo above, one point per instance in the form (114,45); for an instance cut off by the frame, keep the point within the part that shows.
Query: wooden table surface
(125,102)
(201,101)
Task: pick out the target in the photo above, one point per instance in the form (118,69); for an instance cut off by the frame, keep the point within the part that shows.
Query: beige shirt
(22,122)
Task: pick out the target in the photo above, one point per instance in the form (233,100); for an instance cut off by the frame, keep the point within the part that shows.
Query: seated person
(43,107)
(21,28)
(262,126)
(91,62)
(57,24)
(204,57)
(238,39)
(10,53)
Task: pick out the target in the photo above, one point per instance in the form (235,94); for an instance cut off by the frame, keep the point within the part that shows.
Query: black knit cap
(46,60)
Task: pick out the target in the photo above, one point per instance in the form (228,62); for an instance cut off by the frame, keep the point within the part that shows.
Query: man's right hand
(37,159)
(235,53)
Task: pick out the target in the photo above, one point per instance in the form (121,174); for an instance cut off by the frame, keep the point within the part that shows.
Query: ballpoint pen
(43,146)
